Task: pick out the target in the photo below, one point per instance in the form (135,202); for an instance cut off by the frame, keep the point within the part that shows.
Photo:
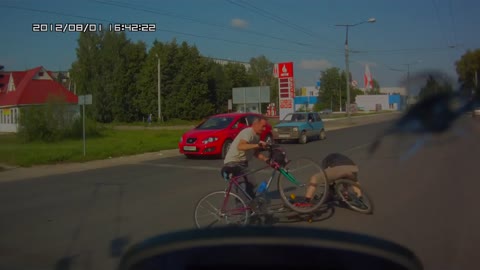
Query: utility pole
(159,91)
(347,26)
(331,103)
(409,97)
(476,85)
(476,79)
(347,67)
(340,100)
(408,85)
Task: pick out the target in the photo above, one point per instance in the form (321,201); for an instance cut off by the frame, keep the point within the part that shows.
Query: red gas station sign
(292,87)
(286,87)
(285,70)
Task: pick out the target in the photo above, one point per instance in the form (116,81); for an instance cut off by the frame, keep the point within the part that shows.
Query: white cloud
(315,64)
(239,23)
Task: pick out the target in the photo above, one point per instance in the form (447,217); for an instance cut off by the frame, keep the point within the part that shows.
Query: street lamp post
(408,78)
(347,26)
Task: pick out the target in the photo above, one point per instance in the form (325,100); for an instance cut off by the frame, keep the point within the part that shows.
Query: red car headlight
(210,140)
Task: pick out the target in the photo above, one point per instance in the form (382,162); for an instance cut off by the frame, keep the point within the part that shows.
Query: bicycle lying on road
(229,208)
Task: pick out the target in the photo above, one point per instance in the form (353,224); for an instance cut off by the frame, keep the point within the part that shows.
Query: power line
(440,22)
(236,42)
(170,14)
(278,19)
(404,51)
(454,28)
(196,20)
(164,30)
(442,30)
(262,12)
(56,13)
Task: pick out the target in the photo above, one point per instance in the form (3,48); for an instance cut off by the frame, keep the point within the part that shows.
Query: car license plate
(190,148)
(284,135)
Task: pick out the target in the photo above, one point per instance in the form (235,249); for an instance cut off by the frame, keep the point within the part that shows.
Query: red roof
(32,91)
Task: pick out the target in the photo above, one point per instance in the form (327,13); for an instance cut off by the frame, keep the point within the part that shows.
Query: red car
(214,135)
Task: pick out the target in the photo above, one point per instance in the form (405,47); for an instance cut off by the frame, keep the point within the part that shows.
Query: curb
(359,116)
(20,173)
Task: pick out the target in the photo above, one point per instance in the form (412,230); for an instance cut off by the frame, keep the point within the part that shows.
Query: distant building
(305,102)
(307,99)
(29,88)
(309,91)
(383,102)
(391,90)
(402,91)
(227,61)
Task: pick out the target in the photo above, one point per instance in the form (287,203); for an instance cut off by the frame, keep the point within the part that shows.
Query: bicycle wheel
(236,211)
(347,194)
(292,194)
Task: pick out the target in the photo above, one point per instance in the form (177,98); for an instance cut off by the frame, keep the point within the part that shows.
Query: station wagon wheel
(303,138)
(225,147)
(323,135)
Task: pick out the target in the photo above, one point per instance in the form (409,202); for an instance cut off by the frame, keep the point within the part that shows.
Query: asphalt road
(426,203)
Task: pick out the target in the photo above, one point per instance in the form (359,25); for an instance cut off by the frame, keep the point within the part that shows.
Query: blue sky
(302,31)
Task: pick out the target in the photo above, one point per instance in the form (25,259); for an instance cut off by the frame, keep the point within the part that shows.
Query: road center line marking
(185,167)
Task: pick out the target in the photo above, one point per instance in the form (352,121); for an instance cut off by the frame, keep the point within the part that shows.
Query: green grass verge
(112,143)
(173,122)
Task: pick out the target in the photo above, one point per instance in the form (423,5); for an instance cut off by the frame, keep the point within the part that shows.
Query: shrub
(54,121)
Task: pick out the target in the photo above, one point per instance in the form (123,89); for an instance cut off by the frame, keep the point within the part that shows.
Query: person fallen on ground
(335,167)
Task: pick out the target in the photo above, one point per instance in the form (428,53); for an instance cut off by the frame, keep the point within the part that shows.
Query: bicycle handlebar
(270,147)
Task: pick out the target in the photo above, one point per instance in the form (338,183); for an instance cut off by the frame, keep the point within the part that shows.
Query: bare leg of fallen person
(313,184)
(339,172)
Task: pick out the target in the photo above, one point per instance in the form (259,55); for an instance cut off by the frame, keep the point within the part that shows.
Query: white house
(28,88)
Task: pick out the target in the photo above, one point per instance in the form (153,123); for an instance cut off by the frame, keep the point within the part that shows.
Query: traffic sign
(85,100)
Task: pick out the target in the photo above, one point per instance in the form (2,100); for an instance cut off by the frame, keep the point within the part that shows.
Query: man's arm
(261,156)
(243,145)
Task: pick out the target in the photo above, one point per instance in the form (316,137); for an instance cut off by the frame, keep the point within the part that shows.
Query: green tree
(86,70)
(218,86)
(468,70)
(261,70)
(193,96)
(331,88)
(108,66)
(466,67)
(274,88)
(146,99)
(135,56)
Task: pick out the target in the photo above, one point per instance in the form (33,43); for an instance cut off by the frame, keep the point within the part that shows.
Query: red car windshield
(216,123)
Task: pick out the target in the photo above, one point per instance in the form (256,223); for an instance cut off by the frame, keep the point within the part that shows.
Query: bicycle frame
(234,181)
